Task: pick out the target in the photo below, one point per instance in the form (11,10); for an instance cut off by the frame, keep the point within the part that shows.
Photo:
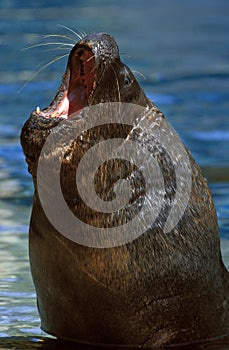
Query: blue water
(179,52)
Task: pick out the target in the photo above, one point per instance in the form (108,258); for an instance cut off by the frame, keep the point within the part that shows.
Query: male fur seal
(158,289)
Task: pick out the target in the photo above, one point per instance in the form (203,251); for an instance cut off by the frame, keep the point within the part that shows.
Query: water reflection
(53,344)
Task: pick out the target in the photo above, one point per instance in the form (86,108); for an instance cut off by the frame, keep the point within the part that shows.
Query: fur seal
(158,289)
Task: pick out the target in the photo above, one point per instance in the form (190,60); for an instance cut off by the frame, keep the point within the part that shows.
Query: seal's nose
(101,44)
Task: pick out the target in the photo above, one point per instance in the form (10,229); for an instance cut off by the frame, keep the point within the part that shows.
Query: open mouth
(77,86)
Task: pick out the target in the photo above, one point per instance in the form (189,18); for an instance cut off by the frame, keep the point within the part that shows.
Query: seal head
(94,74)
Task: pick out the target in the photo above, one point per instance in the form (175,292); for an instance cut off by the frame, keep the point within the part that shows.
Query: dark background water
(179,51)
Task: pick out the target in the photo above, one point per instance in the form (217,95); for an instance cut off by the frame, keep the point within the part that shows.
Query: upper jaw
(80,79)
(78,85)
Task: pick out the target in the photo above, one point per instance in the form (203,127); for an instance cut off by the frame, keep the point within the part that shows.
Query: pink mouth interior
(80,86)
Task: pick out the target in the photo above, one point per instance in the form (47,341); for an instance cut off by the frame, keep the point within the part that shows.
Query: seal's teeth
(38,111)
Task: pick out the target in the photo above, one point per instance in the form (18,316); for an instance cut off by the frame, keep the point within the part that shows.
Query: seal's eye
(127,80)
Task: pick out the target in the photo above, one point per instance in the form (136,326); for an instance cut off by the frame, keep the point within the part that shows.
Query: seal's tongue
(77,86)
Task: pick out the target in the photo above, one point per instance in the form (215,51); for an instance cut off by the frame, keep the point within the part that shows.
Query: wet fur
(158,289)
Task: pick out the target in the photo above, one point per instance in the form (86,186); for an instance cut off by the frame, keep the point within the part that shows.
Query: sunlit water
(181,49)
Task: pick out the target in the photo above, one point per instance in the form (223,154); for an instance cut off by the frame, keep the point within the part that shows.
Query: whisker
(125,54)
(90,58)
(55,49)
(72,31)
(82,33)
(103,72)
(46,44)
(41,69)
(98,81)
(142,75)
(92,70)
(59,36)
(118,87)
(43,62)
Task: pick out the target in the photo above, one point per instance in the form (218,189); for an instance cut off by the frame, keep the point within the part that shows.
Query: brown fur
(158,289)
